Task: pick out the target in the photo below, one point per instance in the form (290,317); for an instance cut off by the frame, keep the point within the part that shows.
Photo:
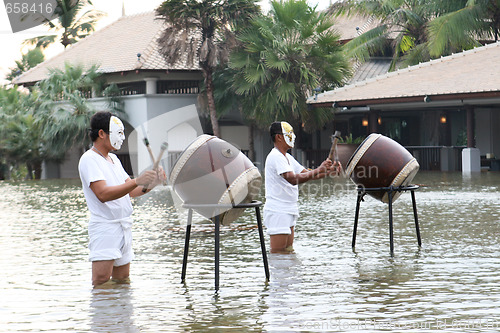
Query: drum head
(186,154)
(380,162)
(212,176)
(359,152)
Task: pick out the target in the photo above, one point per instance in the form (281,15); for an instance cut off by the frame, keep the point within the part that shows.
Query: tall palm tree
(464,28)
(285,57)
(76,19)
(203,30)
(402,27)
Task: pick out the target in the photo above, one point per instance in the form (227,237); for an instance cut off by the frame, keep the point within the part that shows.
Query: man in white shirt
(107,189)
(282,175)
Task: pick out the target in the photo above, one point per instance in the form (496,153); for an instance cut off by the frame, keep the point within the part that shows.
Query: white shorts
(110,241)
(279,223)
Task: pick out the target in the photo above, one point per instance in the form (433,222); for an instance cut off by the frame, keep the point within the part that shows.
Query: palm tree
(29,60)
(64,110)
(402,27)
(285,57)
(20,141)
(203,30)
(463,28)
(74,19)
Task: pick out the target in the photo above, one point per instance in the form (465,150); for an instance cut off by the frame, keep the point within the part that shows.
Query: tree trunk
(29,174)
(38,169)
(211,102)
(251,144)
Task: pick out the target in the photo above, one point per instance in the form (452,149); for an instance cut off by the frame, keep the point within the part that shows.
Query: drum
(380,161)
(214,175)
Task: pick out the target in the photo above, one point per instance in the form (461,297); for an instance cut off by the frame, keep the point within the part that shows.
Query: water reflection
(452,279)
(112,310)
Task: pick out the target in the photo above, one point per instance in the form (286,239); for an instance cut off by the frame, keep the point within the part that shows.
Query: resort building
(434,109)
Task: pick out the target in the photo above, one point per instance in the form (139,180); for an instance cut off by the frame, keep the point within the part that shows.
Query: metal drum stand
(216,219)
(362,191)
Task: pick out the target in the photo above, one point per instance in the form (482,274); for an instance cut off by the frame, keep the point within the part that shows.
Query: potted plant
(346,147)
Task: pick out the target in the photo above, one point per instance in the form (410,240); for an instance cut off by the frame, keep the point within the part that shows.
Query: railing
(433,157)
(178,87)
(429,157)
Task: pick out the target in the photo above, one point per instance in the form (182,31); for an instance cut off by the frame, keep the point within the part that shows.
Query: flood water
(451,283)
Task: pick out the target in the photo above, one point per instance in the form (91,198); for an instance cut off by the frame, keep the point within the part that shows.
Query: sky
(11,43)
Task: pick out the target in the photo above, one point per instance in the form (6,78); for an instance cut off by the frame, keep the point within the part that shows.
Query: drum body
(380,161)
(215,175)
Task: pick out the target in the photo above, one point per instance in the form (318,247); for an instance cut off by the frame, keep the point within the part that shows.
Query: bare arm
(107,193)
(306,175)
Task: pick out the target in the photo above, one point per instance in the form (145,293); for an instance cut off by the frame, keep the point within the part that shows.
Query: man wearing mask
(107,189)
(282,175)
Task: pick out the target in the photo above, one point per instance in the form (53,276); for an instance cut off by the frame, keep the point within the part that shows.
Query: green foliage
(415,30)
(29,60)
(64,110)
(283,57)
(206,30)
(20,136)
(75,21)
(351,140)
(463,28)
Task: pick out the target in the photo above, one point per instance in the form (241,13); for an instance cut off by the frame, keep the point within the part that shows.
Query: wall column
(151,85)
(471,141)
(471,156)
(373,122)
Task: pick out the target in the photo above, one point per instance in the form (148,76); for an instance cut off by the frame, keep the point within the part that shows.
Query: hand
(160,177)
(335,169)
(147,177)
(325,166)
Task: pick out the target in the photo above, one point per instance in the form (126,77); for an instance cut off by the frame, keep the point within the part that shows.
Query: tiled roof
(115,49)
(472,71)
(352,26)
(371,68)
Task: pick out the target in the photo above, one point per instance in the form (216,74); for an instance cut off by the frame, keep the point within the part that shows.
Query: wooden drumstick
(156,163)
(333,156)
(146,142)
(163,147)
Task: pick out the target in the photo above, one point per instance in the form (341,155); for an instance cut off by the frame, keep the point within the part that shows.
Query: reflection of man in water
(107,189)
(282,175)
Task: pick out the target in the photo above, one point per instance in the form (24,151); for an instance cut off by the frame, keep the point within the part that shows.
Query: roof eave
(424,99)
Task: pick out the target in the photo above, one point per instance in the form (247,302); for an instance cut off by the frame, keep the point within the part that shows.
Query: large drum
(213,175)
(380,161)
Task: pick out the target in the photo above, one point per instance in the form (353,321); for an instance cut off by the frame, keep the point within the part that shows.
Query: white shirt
(93,167)
(281,196)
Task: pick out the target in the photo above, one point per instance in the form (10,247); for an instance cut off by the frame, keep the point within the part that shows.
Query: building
(127,54)
(435,109)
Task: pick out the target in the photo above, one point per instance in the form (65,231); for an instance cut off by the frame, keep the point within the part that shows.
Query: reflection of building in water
(111,310)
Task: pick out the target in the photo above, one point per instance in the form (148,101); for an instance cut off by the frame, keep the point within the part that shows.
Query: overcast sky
(11,48)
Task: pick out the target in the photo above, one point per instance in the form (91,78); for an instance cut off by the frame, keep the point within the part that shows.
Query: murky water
(451,283)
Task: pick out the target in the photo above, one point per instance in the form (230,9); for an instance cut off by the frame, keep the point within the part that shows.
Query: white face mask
(116,132)
(288,133)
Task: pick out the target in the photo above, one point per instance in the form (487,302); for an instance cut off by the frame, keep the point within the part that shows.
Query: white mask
(288,133)
(116,132)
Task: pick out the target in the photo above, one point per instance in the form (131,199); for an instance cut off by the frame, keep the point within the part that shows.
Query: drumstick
(156,163)
(163,147)
(146,142)
(332,156)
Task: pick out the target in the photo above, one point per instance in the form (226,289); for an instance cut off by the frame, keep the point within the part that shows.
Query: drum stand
(216,219)
(390,190)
